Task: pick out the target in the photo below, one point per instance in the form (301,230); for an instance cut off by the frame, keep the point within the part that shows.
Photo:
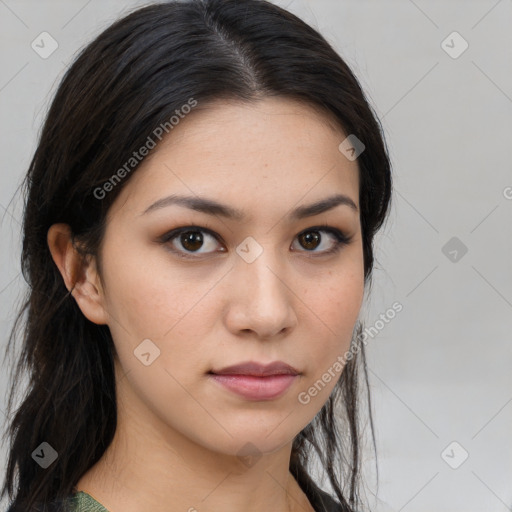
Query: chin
(251,443)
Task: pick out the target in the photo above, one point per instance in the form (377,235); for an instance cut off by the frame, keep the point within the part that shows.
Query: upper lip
(258,369)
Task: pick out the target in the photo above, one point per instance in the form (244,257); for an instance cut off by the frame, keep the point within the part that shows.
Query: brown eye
(191,240)
(313,239)
(310,240)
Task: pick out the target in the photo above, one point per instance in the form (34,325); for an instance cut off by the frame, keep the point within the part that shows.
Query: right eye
(187,240)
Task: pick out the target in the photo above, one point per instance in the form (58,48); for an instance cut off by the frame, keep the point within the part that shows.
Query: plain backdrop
(439,75)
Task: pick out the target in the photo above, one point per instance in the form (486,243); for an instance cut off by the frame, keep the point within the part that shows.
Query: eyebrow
(212,207)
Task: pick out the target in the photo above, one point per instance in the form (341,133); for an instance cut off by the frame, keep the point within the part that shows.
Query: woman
(198,235)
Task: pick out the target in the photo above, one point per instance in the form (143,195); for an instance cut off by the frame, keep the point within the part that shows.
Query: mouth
(256,381)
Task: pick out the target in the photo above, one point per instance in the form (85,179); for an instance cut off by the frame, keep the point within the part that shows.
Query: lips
(255,381)
(255,369)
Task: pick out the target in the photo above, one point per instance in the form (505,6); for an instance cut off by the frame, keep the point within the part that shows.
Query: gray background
(441,369)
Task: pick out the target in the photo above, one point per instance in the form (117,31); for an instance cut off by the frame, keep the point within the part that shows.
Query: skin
(179,434)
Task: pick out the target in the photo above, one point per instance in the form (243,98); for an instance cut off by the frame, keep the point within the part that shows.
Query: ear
(80,274)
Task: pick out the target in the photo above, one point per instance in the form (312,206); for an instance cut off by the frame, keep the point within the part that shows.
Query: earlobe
(79,274)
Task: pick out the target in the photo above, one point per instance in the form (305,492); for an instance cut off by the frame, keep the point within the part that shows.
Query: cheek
(333,312)
(337,300)
(344,305)
(145,295)
(149,298)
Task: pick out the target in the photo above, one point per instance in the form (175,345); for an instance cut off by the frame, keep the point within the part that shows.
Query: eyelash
(341,239)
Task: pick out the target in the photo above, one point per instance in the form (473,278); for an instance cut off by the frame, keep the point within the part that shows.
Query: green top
(84,502)
(81,501)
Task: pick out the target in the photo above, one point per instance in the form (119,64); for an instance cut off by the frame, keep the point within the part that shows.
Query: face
(192,288)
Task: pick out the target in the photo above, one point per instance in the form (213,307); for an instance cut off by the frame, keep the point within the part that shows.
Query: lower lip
(256,388)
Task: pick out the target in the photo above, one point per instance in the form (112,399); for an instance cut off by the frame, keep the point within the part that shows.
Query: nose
(261,298)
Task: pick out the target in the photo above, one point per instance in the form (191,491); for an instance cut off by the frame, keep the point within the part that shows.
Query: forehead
(247,152)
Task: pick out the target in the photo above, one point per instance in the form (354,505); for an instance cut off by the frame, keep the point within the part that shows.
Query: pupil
(191,240)
(311,239)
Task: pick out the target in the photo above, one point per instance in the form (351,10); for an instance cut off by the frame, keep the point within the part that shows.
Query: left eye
(194,238)
(312,237)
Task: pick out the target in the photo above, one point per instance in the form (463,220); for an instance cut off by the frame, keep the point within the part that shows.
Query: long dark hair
(131,79)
